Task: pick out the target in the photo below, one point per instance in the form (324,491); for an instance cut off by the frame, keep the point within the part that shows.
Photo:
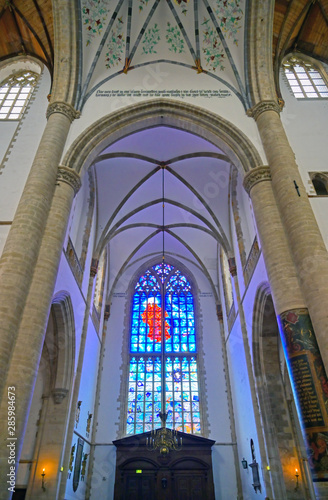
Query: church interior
(163,249)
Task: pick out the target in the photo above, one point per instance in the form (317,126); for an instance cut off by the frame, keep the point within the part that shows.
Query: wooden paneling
(181,475)
(26,27)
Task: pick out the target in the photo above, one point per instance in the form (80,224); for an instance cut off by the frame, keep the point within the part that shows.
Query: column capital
(64,108)
(257,174)
(69,176)
(59,395)
(263,106)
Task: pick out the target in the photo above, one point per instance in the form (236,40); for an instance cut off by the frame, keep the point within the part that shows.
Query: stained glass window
(163,348)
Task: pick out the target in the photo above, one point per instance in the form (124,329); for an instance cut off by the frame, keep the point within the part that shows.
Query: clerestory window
(15,92)
(163,373)
(320,182)
(305,79)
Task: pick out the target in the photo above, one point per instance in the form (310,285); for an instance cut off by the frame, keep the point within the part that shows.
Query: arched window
(305,79)
(320,183)
(163,348)
(15,93)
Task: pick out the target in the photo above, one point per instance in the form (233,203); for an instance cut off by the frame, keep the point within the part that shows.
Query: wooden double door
(142,474)
(165,486)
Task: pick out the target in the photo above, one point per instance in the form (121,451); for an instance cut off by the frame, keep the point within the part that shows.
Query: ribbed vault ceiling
(136,174)
(125,31)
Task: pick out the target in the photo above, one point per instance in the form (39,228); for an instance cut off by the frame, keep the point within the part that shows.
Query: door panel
(140,487)
(189,487)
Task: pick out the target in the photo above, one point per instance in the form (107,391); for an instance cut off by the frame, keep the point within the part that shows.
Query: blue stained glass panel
(150,325)
(163,270)
(130,429)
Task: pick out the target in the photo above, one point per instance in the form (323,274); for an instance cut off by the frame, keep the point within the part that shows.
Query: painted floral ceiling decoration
(202,35)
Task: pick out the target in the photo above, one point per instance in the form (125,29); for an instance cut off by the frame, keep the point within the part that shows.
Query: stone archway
(162,112)
(282,446)
(56,371)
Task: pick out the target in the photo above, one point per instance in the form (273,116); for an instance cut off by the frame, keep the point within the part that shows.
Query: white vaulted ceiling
(203,38)
(130,192)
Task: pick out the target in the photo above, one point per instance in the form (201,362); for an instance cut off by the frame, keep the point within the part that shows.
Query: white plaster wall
(21,147)
(88,379)
(108,417)
(164,77)
(67,283)
(320,208)
(103,477)
(79,494)
(305,122)
(4,231)
(223,472)
(7,130)
(243,410)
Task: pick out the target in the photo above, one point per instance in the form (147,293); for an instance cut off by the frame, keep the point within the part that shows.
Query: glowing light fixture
(43,483)
(297,476)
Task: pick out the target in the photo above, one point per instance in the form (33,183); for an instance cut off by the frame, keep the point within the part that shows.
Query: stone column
(304,362)
(281,271)
(22,247)
(26,353)
(303,235)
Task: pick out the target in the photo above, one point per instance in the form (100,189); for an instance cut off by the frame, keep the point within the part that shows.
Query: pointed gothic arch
(197,353)
(162,112)
(282,448)
(57,371)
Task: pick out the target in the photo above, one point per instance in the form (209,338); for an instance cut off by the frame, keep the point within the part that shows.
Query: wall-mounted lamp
(244,463)
(297,476)
(42,484)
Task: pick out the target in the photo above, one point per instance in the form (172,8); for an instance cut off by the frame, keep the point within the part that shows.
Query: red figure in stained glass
(152,316)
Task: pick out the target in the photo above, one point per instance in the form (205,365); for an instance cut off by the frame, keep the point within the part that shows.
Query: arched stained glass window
(163,348)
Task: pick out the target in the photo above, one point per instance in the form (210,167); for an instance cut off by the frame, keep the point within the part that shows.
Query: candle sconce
(43,483)
(297,476)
